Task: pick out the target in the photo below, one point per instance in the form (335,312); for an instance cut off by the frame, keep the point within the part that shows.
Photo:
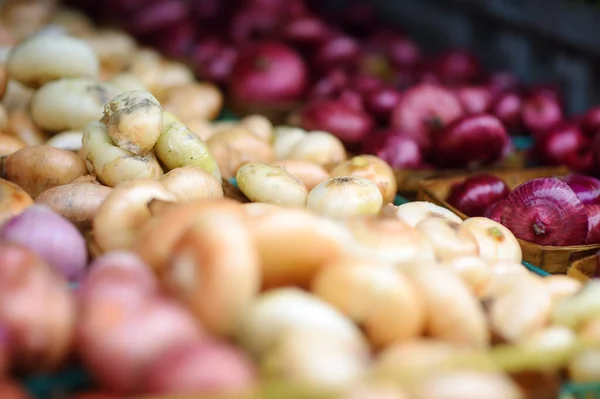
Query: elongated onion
(190,183)
(495,241)
(271,184)
(449,239)
(342,197)
(372,168)
(308,173)
(284,139)
(413,212)
(388,240)
(235,146)
(374,295)
(322,148)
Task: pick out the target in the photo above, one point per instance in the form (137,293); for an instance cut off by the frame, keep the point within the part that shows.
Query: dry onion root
(124,211)
(42,59)
(13,200)
(134,121)
(78,202)
(271,184)
(236,146)
(374,295)
(372,168)
(342,197)
(39,168)
(214,269)
(177,146)
(191,183)
(70,104)
(111,164)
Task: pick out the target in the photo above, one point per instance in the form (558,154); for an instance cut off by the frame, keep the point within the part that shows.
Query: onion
(52,237)
(457,67)
(494,211)
(204,367)
(268,73)
(339,51)
(413,212)
(330,85)
(546,211)
(495,241)
(425,108)
(271,184)
(251,24)
(503,82)
(593,213)
(319,147)
(341,197)
(586,188)
(284,139)
(474,99)
(13,200)
(565,144)
(336,116)
(382,101)
(474,195)
(590,121)
(449,239)
(306,30)
(372,168)
(541,113)
(398,150)
(507,107)
(470,141)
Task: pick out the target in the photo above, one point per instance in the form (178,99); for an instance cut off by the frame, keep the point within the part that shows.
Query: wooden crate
(549,258)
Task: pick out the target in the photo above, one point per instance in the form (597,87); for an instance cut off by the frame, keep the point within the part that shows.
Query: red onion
(204,367)
(398,150)
(494,211)
(338,117)
(403,52)
(458,67)
(364,83)
(593,235)
(507,108)
(586,188)
(470,141)
(546,211)
(337,52)
(176,42)
(330,85)
(590,122)
(306,30)
(540,113)
(252,24)
(549,90)
(158,16)
(269,72)
(52,237)
(425,108)
(218,68)
(382,101)
(474,99)
(503,82)
(473,196)
(565,145)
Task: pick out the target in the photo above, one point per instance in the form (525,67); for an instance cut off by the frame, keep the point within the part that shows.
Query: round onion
(494,211)
(341,197)
(546,211)
(399,150)
(476,193)
(590,121)
(565,144)
(52,237)
(541,113)
(586,188)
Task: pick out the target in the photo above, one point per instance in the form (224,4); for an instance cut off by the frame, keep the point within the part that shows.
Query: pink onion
(494,211)
(203,367)
(586,188)
(338,117)
(398,150)
(474,99)
(546,211)
(269,72)
(52,237)
(566,145)
(426,108)
(470,141)
(458,67)
(541,113)
(474,195)
(590,122)
(593,235)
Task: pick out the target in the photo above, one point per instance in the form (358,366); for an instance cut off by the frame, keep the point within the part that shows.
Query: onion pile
(545,211)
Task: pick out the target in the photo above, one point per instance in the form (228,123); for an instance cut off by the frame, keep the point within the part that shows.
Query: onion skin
(50,236)
(590,122)
(13,200)
(545,211)
(541,113)
(593,235)
(566,145)
(477,193)
(586,188)
(474,99)
(507,108)
(400,151)
(205,367)
(494,211)
(470,141)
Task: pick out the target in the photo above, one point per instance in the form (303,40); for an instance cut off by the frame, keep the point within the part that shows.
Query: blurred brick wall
(539,40)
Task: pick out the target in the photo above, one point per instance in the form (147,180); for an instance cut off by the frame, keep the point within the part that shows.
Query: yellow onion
(448,238)
(271,184)
(341,197)
(495,241)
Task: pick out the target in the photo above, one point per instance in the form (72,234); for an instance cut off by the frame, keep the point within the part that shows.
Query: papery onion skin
(494,211)
(593,235)
(546,211)
(476,193)
(50,236)
(586,188)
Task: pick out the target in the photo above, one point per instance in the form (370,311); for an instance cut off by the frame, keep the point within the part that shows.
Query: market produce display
(127,249)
